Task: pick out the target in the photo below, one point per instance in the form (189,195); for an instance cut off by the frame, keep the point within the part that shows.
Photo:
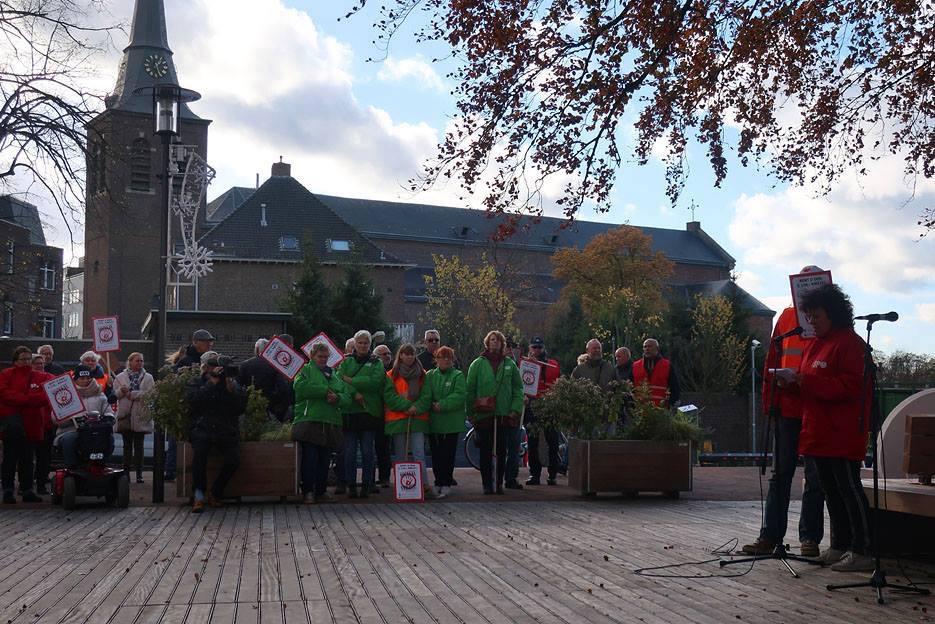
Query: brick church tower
(124,178)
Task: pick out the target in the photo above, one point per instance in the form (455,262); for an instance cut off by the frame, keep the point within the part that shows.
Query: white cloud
(395,70)
(749,280)
(926,312)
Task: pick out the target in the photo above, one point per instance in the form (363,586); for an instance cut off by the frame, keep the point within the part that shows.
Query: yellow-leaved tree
(715,359)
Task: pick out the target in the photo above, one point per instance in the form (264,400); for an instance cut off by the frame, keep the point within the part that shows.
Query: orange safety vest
(790,405)
(402,389)
(658,379)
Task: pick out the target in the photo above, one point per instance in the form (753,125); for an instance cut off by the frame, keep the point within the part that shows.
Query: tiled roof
(282,212)
(223,205)
(729,289)
(24,215)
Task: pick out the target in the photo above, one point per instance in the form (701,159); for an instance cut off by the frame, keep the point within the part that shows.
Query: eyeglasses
(431,339)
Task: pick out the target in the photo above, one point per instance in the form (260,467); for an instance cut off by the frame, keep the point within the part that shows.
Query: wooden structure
(267,469)
(629,466)
(919,453)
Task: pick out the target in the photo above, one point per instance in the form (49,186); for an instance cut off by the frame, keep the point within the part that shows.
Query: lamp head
(755,343)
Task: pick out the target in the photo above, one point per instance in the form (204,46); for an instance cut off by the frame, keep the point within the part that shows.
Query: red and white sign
(408,477)
(335,355)
(106,333)
(802,283)
(64,398)
(283,358)
(529,371)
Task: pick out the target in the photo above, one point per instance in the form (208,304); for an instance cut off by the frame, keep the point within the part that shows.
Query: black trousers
(444,448)
(133,449)
(229,448)
(848,508)
(44,458)
(535,462)
(485,443)
(383,445)
(17,454)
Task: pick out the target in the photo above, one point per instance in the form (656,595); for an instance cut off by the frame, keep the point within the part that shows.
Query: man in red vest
(547,377)
(787,353)
(658,374)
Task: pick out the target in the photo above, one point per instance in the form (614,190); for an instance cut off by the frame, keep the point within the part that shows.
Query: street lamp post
(753,346)
(167,102)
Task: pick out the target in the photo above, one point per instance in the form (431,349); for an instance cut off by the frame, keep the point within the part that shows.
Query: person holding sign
(443,398)
(320,395)
(94,401)
(494,403)
(365,377)
(831,384)
(404,421)
(19,405)
(45,438)
(550,372)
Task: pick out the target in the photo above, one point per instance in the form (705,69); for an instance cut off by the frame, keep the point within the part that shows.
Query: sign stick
(493,456)
(107,360)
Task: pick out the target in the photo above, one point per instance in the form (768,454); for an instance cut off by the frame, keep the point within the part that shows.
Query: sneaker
(762,546)
(8,498)
(830,555)
(533,481)
(30,497)
(809,548)
(440,492)
(513,485)
(139,479)
(446,491)
(198,506)
(853,562)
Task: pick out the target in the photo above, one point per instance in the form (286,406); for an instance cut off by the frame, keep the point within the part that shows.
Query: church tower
(124,180)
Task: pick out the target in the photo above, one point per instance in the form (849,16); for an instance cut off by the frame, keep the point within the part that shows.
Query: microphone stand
(878,578)
(775,413)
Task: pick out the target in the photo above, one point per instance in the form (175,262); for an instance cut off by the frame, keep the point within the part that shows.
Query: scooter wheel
(69,492)
(123,492)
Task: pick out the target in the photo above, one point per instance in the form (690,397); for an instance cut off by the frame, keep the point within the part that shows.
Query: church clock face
(156,66)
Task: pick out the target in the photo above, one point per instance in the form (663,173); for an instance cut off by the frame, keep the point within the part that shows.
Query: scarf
(413,376)
(326,371)
(362,359)
(89,391)
(495,359)
(135,379)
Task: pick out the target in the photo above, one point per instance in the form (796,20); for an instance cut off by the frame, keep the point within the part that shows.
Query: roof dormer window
(288,243)
(338,245)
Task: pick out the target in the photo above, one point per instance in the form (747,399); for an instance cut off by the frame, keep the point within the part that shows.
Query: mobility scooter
(93,477)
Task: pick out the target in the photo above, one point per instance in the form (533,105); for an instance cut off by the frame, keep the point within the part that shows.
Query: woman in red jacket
(43,439)
(831,383)
(20,412)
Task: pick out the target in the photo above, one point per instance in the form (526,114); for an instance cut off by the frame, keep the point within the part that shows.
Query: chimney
(693,226)
(281,169)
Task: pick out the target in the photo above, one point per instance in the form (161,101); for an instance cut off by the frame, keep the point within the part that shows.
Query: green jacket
(367,379)
(311,387)
(394,398)
(506,385)
(448,389)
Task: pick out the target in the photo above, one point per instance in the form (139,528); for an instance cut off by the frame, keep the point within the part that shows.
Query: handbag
(485,404)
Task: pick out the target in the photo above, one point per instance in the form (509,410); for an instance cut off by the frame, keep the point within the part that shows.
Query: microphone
(892,317)
(792,332)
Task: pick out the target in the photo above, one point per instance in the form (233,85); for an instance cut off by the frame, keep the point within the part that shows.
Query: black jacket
(214,410)
(625,372)
(260,374)
(54,369)
(191,358)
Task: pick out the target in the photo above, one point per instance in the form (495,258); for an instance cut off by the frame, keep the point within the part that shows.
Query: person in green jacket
(494,403)
(320,395)
(443,398)
(365,377)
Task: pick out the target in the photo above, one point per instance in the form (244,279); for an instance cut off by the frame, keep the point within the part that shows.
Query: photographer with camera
(216,401)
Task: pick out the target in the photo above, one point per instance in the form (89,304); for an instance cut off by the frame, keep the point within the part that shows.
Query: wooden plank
(223,613)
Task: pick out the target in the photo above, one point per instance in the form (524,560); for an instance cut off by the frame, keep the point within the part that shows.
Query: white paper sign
(335,355)
(283,358)
(529,371)
(408,482)
(802,283)
(106,334)
(64,398)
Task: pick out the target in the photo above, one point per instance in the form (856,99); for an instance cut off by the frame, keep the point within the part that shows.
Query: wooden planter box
(267,469)
(629,466)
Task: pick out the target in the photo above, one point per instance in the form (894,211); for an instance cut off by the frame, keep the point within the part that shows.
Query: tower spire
(149,26)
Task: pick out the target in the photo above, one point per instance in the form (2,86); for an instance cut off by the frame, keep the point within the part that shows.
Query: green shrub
(167,401)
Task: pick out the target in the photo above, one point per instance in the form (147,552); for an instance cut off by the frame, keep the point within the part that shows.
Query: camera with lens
(227,365)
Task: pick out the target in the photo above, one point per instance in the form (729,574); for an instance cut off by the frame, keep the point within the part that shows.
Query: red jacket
(657,379)
(21,393)
(549,374)
(793,347)
(830,388)
(41,413)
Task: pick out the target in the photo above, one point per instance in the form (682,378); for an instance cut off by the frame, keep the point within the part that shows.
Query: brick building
(30,274)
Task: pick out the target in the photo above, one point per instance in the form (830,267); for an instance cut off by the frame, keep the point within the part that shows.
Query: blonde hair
(133,355)
(500,337)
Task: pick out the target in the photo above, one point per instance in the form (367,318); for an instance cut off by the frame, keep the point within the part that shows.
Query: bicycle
(472,450)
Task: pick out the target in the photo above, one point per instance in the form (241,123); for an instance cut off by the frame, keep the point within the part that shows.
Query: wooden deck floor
(468,562)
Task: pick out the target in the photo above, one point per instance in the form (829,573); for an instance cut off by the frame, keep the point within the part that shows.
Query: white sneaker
(852,562)
(441,492)
(830,555)
(446,491)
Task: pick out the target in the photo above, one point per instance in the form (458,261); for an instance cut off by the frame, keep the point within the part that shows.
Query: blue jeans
(315,461)
(351,440)
(416,447)
(785,458)
(512,454)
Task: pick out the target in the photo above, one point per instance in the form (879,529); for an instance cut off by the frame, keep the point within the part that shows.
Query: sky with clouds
(288,78)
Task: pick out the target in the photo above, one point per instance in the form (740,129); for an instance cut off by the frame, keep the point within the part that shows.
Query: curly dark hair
(836,304)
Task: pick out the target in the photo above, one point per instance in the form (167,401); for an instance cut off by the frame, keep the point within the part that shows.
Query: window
(7,319)
(288,243)
(140,164)
(47,324)
(72,320)
(96,176)
(48,275)
(338,245)
(73,296)
(10,256)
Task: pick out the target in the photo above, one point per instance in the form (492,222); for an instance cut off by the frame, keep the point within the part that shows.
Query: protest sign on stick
(64,398)
(335,355)
(529,371)
(283,358)
(106,334)
(802,283)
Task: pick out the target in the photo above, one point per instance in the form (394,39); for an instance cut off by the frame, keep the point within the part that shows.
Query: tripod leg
(789,567)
